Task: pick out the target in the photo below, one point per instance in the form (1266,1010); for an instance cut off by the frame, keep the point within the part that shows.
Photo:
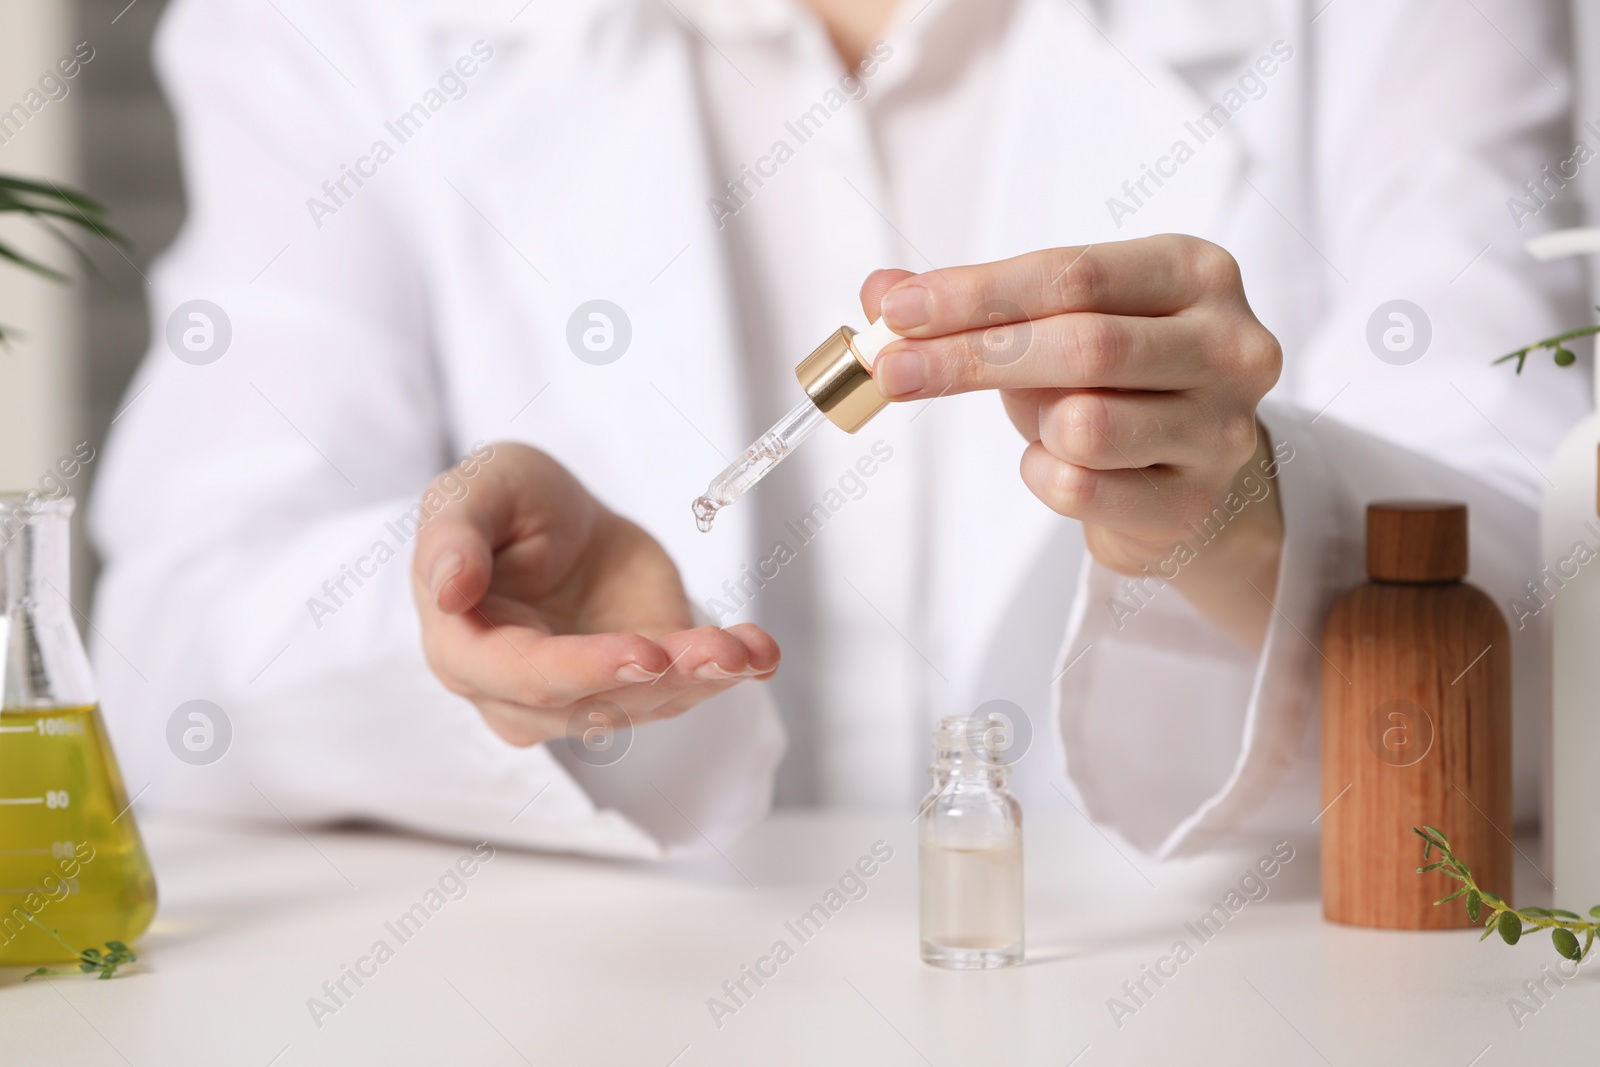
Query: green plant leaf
(1430,867)
(1491,898)
(1543,913)
(1438,837)
(1474,904)
(1445,900)
(64,194)
(1564,356)
(1566,944)
(1510,927)
(1595,911)
(1564,913)
(51,206)
(28,263)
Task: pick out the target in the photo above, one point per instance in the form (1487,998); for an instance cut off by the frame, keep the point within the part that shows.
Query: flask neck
(35,553)
(44,663)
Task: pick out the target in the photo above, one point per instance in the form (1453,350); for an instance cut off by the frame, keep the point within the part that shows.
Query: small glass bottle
(969,839)
(71,860)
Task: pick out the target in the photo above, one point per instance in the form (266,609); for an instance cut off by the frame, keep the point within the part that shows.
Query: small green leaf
(1430,867)
(1564,913)
(1491,898)
(1445,900)
(1439,838)
(1492,927)
(1510,927)
(1566,944)
(1543,913)
(1474,904)
(1564,356)
(1595,911)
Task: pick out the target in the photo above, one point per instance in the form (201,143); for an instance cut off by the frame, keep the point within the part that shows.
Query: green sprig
(1564,356)
(52,207)
(90,960)
(1510,923)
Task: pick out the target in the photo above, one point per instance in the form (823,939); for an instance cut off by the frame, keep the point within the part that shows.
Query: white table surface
(557,960)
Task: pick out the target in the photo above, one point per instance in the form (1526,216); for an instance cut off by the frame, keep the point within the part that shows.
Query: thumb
(454,559)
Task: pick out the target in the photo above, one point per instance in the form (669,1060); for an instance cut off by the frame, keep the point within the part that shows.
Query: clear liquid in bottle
(969,838)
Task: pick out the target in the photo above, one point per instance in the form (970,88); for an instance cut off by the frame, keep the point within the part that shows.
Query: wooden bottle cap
(1416,541)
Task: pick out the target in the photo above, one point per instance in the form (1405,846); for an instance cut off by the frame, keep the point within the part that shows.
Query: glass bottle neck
(967,774)
(967,754)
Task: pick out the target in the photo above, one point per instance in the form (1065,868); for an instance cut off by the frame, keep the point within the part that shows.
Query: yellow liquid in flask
(70,853)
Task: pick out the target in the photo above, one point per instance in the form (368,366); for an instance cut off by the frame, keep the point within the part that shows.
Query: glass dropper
(839,389)
(758,461)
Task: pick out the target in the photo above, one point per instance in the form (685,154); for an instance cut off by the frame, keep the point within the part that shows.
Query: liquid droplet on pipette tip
(705,510)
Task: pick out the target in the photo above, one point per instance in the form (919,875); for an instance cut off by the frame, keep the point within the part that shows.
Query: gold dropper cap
(838,376)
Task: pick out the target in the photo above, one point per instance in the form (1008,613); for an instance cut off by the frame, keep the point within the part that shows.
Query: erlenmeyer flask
(70,854)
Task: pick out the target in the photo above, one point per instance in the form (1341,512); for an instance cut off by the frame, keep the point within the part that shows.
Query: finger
(878,283)
(762,649)
(453,563)
(477,656)
(1083,350)
(705,662)
(517,496)
(1105,429)
(1149,276)
(706,654)
(668,692)
(1127,501)
(1022,408)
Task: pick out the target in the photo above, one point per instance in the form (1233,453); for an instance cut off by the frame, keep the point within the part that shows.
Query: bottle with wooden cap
(1416,725)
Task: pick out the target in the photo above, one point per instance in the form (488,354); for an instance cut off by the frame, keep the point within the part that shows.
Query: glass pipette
(758,461)
(839,389)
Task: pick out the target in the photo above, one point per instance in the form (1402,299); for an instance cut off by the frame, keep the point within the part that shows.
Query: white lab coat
(430,312)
